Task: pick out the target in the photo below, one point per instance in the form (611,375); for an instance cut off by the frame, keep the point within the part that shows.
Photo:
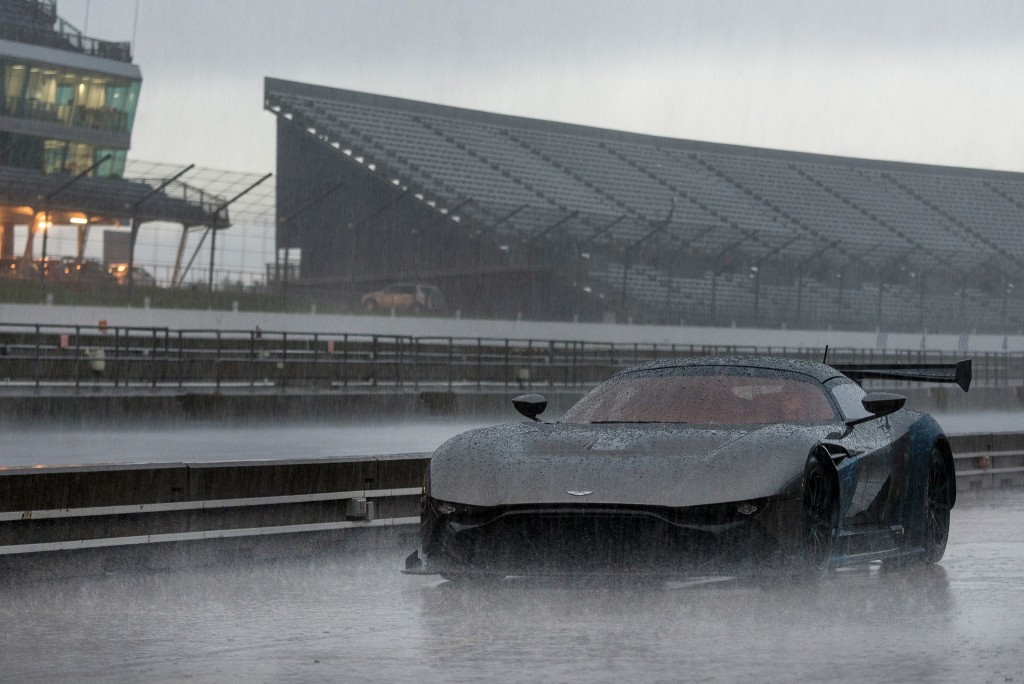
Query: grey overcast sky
(925,81)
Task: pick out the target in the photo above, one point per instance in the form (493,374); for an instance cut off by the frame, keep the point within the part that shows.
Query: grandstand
(550,220)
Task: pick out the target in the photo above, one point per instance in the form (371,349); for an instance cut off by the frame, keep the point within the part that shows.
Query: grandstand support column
(31,237)
(921,283)
(841,277)
(716,269)
(847,264)
(684,244)
(83,238)
(756,270)
(6,240)
(878,313)
(963,298)
(137,223)
(284,225)
(627,258)
(881,273)
(1007,288)
(49,198)
(801,267)
(176,275)
(214,227)
(213,253)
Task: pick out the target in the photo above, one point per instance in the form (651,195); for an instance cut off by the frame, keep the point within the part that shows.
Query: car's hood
(656,465)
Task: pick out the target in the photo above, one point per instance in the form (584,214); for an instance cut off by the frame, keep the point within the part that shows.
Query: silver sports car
(698,466)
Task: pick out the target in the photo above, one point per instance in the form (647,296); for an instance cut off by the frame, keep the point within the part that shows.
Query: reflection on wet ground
(356,618)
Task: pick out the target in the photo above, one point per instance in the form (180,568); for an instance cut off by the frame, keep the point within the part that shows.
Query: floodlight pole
(136,223)
(46,214)
(213,231)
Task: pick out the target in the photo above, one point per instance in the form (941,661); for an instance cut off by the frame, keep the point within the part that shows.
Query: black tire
(820,518)
(937,504)
(370,305)
(417,308)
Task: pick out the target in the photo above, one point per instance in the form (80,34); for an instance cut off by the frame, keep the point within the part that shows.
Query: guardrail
(91,507)
(132,357)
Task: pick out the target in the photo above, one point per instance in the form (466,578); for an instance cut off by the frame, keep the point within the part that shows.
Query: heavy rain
(298,303)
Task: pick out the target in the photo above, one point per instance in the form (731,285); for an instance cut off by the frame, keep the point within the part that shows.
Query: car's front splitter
(598,541)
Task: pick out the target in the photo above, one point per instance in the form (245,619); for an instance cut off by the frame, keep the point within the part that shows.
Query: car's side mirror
(879,404)
(530,405)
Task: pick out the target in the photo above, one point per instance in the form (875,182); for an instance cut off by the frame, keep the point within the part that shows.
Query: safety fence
(132,357)
(56,509)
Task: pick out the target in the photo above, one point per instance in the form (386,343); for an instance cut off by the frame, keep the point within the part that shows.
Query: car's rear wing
(959,372)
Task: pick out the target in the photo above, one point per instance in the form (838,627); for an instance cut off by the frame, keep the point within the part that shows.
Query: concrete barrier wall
(82,520)
(64,508)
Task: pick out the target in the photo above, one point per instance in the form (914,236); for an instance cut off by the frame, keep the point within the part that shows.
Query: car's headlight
(746,508)
(451,508)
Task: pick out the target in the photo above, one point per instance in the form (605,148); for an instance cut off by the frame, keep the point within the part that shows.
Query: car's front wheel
(820,517)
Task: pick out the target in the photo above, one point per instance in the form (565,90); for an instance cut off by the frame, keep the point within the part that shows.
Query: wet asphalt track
(353,617)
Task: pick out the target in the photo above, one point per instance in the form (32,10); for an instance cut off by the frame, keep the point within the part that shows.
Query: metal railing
(38,355)
(106,119)
(64,36)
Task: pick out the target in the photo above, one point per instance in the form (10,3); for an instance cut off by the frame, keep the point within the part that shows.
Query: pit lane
(353,616)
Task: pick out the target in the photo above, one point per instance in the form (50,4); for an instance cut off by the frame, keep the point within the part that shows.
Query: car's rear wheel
(821,513)
(938,498)
(370,305)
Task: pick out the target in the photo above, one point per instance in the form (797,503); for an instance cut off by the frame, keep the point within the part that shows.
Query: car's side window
(848,395)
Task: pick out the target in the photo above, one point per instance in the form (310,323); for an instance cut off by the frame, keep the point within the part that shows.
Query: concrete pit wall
(83,519)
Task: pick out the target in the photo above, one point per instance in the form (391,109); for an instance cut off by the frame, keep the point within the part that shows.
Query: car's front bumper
(531,540)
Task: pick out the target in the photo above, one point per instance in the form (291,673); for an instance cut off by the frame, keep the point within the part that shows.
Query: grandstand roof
(620,187)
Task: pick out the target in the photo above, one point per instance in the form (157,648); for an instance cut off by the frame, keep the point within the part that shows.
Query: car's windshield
(705,396)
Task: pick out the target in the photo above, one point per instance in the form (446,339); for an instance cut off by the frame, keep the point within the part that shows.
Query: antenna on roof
(824,359)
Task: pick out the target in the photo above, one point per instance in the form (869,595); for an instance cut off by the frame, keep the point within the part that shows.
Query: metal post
(117,345)
(46,203)
(78,355)
(137,223)
(213,228)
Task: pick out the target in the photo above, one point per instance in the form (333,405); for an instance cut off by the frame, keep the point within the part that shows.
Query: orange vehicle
(413,297)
